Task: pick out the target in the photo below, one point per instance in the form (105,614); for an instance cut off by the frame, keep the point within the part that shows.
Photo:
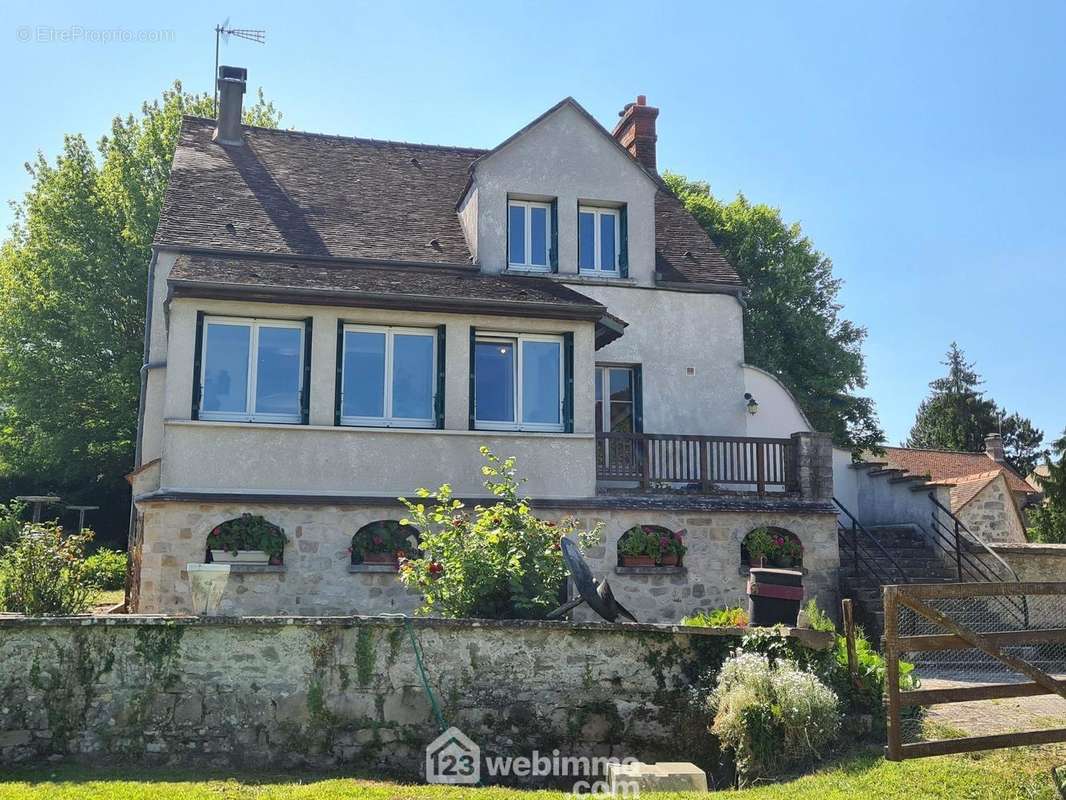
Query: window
(616,400)
(529,228)
(388,376)
(251,370)
(598,239)
(519,382)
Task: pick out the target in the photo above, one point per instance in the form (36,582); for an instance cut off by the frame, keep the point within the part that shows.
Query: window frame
(517,339)
(387,420)
(249,414)
(527,217)
(597,255)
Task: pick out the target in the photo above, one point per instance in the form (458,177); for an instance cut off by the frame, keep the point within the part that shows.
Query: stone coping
(817,640)
(1029,548)
(237,569)
(386,568)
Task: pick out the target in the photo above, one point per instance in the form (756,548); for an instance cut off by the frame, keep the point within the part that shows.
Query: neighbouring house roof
(951,466)
(329,282)
(967,488)
(1037,476)
(291,193)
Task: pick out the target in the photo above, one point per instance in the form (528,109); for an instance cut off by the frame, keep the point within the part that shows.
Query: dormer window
(601,240)
(529,235)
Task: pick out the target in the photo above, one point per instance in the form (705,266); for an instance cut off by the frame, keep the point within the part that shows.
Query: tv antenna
(223,31)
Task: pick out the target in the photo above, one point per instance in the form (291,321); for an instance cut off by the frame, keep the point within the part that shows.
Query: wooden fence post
(848,615)
(894,750)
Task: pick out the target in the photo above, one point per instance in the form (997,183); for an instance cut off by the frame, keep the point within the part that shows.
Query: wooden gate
(1026,629)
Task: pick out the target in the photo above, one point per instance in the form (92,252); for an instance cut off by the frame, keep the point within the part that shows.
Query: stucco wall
(779,415)
(668,333)
(316,577)
(992,514)
(845,480)
(286,692)
(567,158)
(881,502)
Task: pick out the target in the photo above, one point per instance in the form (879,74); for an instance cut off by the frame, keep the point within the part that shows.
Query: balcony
(697,464)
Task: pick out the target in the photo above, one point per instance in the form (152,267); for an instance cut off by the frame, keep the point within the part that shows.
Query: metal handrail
(961,526)
(856,527)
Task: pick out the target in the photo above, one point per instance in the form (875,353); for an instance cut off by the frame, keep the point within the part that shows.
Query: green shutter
(638,399)
(305,390)
(623,248)
(553,253)
(438,402)
(197,361)
(568,382)
(338,385)
(473,377)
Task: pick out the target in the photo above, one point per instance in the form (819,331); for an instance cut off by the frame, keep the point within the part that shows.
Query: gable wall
(565,157)
(992,514)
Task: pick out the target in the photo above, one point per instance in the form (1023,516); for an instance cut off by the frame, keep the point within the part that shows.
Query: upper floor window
(599,239)
(520,382)
(251,370)
(529,235)
(388,376)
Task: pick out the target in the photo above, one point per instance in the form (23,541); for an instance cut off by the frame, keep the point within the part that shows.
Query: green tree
(958,416)
(792,313)
(72,301)
(1048,520)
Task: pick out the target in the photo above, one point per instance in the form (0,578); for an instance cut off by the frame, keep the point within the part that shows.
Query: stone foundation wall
(346,691)
(315,578)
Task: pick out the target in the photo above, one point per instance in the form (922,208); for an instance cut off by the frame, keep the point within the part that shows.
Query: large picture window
(251,370)
(529,227)
(599,239)
(519,382)
(388,376)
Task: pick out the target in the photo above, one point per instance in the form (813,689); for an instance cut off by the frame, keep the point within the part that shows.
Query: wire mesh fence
(998,650)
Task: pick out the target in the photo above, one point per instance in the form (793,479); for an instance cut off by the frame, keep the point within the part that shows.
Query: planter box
(638,561)
(382,558)
(242,557)
(669,561)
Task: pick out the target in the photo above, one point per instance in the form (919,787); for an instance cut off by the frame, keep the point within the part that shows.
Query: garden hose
(441,724)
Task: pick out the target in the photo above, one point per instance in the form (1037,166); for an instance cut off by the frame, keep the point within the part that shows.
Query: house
(335,322)
(985,493)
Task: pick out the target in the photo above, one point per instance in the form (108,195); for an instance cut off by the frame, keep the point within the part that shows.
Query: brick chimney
(231,84)
(635,131)
(994,448)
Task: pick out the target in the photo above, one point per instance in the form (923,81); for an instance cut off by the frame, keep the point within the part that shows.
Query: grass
(106,598)
(999,775)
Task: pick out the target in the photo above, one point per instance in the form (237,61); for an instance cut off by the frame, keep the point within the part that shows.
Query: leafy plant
(772,715)
(817,619)
(384,536)
(652,540)
(249,532)
(45,572)
(107,568)
(496,562)
(735,617)
(759,543)
(10,522)
(785,550)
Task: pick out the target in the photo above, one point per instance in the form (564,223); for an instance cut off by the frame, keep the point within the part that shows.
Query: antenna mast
(223,30)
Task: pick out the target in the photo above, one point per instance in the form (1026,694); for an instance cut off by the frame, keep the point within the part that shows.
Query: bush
(10,522)
(45,572)
(107,568)
(497,562)
(771,715)
(736,617)
(817,619)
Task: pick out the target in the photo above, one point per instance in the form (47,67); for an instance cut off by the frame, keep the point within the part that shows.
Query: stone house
(335,322)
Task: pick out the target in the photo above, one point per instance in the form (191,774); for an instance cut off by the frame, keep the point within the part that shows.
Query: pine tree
(1048,521)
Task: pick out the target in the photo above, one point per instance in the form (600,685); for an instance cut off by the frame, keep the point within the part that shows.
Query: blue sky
(921,145)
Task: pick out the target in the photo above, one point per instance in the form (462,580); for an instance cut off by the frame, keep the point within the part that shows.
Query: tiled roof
(949,466)
(329,278)
(303,194)
(968,488)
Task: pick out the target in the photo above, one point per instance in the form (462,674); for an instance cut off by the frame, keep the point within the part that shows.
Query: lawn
(1001,775)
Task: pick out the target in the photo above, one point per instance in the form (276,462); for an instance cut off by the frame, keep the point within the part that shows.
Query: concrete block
(665,776)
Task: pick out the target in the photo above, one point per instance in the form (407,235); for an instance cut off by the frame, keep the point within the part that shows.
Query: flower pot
(207,582)
(670,560)
(381,558)
(638,561)
(782,562)
(241,557)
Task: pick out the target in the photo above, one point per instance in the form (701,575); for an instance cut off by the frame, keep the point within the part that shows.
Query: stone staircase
(909,548)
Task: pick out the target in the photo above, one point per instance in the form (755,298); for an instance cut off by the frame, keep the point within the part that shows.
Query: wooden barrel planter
(774,596)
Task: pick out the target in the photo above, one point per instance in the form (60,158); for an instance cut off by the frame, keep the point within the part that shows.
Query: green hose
(441,724)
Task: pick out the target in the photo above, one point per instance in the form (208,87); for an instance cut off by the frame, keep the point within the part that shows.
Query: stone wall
(992,514)
(346,691)
(316,577)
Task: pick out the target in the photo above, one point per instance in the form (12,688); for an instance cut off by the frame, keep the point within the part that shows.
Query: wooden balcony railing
(702,462)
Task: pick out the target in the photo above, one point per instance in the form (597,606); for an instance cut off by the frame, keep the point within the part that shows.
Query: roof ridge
(360,139)
(940,450)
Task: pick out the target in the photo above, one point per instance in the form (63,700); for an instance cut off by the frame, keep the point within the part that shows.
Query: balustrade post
(760,468)
(645,462)
(705,466)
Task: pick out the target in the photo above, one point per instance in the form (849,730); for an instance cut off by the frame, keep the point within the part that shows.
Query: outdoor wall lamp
(753,407)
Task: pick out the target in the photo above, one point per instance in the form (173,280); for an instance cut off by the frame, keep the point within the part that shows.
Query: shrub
(736,617)
(10,522)
(45,572)
(249,532)
(771,715)
(817,619)
(383,536)
(497,562)
(107,568)
(758,543)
